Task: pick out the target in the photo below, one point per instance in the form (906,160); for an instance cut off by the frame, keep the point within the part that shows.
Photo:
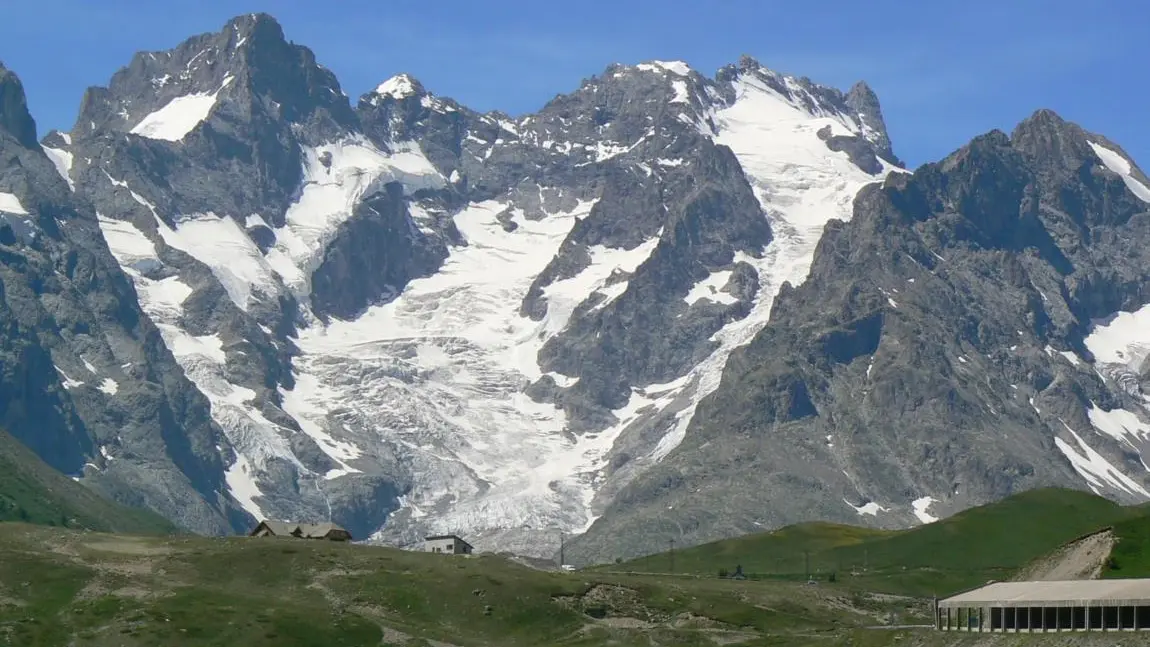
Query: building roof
(438,537)
(318,529)
(280,527)
(309,530)
(1055,594)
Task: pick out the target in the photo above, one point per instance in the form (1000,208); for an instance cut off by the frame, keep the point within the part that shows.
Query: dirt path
(1079,560)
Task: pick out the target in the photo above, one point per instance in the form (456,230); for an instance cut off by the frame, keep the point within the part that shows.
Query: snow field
(179,116)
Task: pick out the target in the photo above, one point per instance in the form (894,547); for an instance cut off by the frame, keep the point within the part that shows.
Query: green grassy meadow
(964,551)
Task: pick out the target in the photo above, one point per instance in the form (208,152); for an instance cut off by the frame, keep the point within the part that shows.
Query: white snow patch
(674,67)
(9,203)
(109,386)
(562,381)
(255,220)
(1094,469)
(242,484)
(870,508)
(179,116)
(1121,425)
(62,160)
(605,150)
(1123,339)
(681,94)
(565,295)
(162,300)
(222,245)
(709,289)
(921,509)
(1118,164)
(68,382)
(210,347)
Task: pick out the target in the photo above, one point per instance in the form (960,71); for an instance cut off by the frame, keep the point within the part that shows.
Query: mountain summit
(14,115)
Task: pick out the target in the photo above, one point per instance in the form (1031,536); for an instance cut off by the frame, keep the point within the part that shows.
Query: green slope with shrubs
(31,491)
(940,558)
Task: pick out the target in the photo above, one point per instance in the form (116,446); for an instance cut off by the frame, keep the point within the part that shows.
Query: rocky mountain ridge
(410,317)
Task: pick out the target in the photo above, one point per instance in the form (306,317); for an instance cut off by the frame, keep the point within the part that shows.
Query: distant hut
(448,544)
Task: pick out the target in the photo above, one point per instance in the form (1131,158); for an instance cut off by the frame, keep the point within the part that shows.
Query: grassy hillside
(63,587)
(1131,554)
(779,553)
(980,544)
(83,589)
(33,492)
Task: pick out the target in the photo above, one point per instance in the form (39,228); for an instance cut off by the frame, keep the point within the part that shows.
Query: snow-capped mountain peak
(677,68)
(400,86)
(246,72)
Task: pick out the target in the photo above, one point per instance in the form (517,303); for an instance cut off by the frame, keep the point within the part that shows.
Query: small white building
(447,544)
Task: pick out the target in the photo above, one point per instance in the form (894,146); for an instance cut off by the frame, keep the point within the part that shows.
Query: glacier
(432,384)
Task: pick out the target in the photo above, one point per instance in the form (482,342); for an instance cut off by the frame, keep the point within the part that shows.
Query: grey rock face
(86,381)
(377,251)
(648,334)
(17,121)
(938,349)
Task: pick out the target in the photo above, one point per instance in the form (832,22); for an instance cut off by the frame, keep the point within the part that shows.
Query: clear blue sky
(944,71)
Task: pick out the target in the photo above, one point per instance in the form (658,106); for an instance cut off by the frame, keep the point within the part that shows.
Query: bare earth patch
(127,546)
(1082,559)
